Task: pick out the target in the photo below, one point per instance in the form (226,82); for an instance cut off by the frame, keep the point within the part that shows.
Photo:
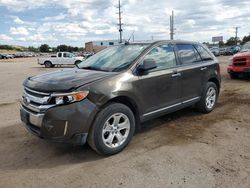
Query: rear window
(205,55)
(188,54)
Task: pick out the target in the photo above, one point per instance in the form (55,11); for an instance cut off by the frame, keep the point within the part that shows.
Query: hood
(242,54)
(64,80)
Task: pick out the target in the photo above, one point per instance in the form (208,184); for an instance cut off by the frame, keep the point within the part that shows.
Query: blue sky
(74,22)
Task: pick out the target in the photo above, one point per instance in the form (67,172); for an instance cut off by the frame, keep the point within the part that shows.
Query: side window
(66,55)
(59,54)
(188,54)
(163,56)
(203,53)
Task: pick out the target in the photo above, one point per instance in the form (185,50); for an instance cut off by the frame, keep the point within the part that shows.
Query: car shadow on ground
(21,150)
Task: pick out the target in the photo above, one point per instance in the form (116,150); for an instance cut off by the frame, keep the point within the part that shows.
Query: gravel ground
(183,149)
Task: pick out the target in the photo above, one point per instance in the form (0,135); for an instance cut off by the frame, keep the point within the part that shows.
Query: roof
(162,41)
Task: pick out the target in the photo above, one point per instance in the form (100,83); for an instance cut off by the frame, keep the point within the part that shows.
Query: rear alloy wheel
(211,98)
(48,64)
(112,130)
(208,99)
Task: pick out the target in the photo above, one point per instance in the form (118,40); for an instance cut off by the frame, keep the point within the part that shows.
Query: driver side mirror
(148,64)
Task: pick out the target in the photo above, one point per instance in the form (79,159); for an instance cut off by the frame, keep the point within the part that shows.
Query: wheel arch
(216,81)
(129,103)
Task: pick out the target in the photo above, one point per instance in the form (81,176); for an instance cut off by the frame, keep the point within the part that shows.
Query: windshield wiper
(93,68)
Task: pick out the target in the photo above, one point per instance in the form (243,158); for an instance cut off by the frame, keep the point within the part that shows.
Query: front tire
(209,98)
(112,130)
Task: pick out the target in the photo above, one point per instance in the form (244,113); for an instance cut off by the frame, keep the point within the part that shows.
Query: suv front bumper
(66,123)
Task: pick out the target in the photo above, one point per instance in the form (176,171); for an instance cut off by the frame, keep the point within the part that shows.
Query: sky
(74,22)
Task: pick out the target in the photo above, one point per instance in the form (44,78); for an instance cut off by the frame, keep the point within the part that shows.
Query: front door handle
(203,68)
(176,75)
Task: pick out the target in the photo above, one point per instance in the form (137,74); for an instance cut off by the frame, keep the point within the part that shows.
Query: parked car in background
(240,63)
(105,98)
(229,51)
(235,49)
(2,56)
(223,51)
(61,58)
(215,51)
(6,56)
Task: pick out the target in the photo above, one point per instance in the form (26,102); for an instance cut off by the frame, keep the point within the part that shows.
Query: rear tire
(48,64)
(233,75)
(112,129)
(208,99)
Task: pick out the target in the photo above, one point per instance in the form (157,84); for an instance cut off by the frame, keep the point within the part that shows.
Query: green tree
(62,48)
(246,39)
(44,48)
(32,49)
(231,41)
(221,44)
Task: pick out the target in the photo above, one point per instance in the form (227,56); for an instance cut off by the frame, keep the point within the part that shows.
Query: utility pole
(120,20)
(236,35)
(172,26)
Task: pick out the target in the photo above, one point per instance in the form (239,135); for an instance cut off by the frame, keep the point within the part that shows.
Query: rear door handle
(176,75)
(203,68)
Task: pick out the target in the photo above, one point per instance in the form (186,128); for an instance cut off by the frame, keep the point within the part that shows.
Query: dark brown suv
(105,98)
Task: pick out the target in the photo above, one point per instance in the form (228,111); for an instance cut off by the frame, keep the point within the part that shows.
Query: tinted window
(203,53)
(164,57)
(66,55)
(188,54)
(59,54)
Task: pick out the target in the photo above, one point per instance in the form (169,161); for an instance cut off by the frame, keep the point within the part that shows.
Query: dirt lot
(183,149)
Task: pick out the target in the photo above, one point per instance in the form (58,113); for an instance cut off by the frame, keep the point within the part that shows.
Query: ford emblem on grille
(26,100)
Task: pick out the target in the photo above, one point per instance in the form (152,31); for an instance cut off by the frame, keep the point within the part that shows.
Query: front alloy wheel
(112,130)
(116,130)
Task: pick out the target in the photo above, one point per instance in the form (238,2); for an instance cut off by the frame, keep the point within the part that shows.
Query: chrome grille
(37,102)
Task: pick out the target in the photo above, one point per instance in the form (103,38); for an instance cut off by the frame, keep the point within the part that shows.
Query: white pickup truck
(61,58)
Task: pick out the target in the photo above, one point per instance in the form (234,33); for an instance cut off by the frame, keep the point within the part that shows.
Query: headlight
(66,98)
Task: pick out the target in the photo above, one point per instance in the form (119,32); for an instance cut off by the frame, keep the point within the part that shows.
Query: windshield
(246,47)
(113,59)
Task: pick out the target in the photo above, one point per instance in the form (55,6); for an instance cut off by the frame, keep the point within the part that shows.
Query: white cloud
(19,31)
(86,20)
(61,16)
(5,37)
(17,20)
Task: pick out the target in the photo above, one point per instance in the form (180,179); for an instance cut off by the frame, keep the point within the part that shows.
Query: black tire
(95,139)
(233,75)
(48,64)
(202,104)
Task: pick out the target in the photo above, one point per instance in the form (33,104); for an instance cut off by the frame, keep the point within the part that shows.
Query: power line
(172,26)
(236,35)
(120,20)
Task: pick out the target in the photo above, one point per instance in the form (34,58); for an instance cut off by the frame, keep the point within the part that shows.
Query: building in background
(96,46)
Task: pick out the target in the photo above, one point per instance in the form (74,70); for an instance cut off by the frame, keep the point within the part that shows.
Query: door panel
(158,90)
(192,70)
(160,87)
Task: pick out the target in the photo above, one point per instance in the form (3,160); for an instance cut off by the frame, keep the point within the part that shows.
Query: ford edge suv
(104,99)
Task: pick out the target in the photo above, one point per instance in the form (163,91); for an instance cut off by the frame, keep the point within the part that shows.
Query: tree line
(45,48)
